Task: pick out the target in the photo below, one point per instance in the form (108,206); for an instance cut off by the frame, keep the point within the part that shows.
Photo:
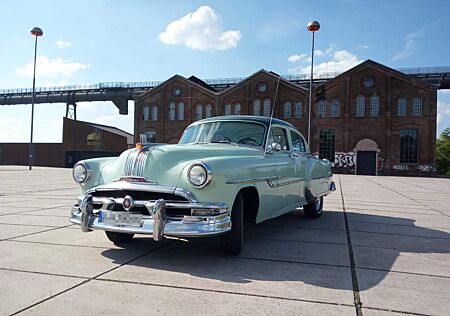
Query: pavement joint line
(299,241)
(403,235)
(356,295)
(44,273)
(422,187)
(29,225)
(300,227)
(404,272)
(395,311)
(223,292)
(263,259)
(88,280)
(30,234)
(34,210)
(404,225)
(67,245)
(386,211)
(45,215)
(393,190)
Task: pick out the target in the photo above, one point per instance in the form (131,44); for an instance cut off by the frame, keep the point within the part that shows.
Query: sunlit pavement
(382,246)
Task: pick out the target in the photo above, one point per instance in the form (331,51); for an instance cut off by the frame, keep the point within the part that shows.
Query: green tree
(443,153)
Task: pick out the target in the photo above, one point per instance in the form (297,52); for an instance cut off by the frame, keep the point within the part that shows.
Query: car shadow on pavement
(294,248)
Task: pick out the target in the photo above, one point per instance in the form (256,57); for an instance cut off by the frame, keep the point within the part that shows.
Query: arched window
(198,112)
(401,107)
(417,106)
(237,109)
(360,106)
(321,108)
(267,108)
(287,109)
(298,109)
(154,114)
(374,105)
(181,111)
(257,107)
(208,110)
(335,108)
(146,113)
(171,111)
(228,109)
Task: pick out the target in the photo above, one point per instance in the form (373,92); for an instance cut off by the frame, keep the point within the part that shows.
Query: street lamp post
(36,32)
(312,26)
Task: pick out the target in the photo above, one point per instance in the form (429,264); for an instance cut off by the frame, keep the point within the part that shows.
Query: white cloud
(410,45)
(202,30)
(443,115)
(362,47)
(341,60)
(52,68)
(296,58)
(63,44)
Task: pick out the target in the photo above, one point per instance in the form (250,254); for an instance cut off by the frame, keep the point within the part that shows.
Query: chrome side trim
(290,182)
(271,181)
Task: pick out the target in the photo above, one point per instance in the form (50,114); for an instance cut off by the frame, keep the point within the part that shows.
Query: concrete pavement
(381,247)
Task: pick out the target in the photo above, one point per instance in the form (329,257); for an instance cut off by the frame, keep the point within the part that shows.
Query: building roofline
(100,125)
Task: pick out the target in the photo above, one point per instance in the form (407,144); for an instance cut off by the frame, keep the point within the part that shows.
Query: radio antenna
(271,115)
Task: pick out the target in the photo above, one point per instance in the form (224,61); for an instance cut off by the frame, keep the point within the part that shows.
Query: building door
(366,163)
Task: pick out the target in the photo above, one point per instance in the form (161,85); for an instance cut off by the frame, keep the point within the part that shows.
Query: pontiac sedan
(224,172)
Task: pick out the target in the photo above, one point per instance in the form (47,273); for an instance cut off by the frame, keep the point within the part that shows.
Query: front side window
(298,109)
(208,110)
(181,111)
(251,134)
(267,107)
(171,111)
(297,142)
(198,112)
(237,109)
(327,143)
(360,106)
(401,107)
(287,109)
(374,106)
(321,109)
(278,135)
(228,109)
(417,106)
(257,107)
(408,146)
(335,110)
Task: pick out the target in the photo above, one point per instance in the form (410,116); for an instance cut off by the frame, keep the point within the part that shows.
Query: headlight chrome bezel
(208,171)
(87,169)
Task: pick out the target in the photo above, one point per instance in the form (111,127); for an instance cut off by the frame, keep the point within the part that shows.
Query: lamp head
(36,31)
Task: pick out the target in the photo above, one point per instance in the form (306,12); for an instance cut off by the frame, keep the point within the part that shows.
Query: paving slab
(11,231)
(329,220)
(401,230)
(19,290)
(129,298)
(404,292)
(64,260)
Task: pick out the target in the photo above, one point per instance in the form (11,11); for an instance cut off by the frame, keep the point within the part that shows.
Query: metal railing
(220,81)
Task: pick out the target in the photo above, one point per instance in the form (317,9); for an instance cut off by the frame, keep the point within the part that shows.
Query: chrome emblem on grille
(127,203)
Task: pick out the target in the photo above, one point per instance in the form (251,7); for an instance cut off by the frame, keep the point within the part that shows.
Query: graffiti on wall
(420,168)
(400,167)
(426,168)
(344,160)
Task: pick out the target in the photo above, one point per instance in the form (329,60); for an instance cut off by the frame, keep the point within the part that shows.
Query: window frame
(408,160)
(360,106)
(327,150)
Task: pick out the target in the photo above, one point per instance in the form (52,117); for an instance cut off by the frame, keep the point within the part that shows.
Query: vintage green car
(224,172)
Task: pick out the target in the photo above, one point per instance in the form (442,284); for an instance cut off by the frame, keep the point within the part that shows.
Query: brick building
(370,119)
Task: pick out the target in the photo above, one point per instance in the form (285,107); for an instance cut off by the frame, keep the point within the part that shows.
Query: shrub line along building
(370,119)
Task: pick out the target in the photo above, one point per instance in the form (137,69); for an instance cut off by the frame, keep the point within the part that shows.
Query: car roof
(247,118)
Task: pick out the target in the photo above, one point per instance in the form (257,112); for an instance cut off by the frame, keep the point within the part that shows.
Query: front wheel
(314,209)
(119,238)
(233,241)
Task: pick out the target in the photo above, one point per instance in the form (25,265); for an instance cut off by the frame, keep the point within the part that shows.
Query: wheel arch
(251,203)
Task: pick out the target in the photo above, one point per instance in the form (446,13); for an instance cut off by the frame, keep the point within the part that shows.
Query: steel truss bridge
(121,92)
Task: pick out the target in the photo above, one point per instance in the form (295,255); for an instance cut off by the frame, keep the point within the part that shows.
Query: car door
(286,183)
(300,157)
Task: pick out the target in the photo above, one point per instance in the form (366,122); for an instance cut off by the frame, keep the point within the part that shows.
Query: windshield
(244,133)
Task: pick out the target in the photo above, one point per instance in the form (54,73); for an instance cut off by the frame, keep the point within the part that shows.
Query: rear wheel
(314,209)
(119,238)
(233,241)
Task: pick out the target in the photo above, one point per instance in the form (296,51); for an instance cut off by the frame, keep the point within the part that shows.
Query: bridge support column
(121,104)
(71,110)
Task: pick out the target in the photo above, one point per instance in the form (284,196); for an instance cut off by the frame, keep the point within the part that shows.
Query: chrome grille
(135,163)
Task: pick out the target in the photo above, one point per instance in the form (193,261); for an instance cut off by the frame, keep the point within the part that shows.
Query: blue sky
(102,41)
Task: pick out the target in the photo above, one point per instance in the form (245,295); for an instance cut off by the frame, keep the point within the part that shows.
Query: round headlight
(80,173)
(199,175)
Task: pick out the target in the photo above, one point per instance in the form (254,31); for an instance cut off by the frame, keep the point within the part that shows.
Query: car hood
(164,164)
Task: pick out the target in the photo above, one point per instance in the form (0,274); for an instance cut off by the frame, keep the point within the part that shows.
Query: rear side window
(279,136)
(297,142)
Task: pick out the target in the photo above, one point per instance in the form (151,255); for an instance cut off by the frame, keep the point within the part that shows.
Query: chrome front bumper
(215,221)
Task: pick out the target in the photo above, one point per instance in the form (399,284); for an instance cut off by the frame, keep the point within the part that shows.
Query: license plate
(120,218)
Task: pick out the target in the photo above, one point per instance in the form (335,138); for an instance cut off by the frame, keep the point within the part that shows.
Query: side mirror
(273,147)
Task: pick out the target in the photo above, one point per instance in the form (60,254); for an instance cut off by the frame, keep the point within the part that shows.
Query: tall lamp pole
(313,27)
(36,32)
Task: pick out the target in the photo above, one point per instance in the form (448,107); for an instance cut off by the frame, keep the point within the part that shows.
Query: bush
(443,153)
